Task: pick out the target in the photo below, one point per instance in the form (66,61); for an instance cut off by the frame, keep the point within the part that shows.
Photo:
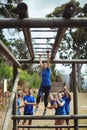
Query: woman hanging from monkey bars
(45,83)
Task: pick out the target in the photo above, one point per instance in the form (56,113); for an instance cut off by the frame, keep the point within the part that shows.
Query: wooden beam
(28,39)
(67,14)
(14,106)
(22,11)
(42,48)
(75,95)
(66,61)
(43,37)
(51,126)
(5,51)
(9,110)
(58,39)
(48,44)
(45,30)
(46,126)
(43,22)
(49,117)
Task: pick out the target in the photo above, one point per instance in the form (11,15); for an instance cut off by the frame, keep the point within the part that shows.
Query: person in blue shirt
(18,104)
(29,102)
(45,83)
(59,106)
(67,97)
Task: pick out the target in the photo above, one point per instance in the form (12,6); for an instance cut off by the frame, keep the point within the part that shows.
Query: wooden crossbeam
(28,39)
(43,22)
(58,39)
(5,51)
(42,48)
(73,61)
(43,37)
(22,11)
(49,117)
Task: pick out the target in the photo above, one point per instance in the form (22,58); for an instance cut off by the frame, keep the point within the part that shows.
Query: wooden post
(75,102)
(10,105)
(15,122)
(3,98)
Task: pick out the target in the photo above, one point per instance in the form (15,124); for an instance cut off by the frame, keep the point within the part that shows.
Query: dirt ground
(82,109)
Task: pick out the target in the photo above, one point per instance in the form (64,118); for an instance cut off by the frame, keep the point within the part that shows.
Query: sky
(39,8)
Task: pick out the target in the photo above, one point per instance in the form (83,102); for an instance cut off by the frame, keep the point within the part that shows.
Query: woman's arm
(53,106)
(29,103)
(68,92)
(48,59)
(61,103)
(22,106)
(41,64)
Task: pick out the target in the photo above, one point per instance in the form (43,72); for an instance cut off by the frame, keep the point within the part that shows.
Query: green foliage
(53,78)
(34,80)
(5,71)
(74,42)
(24,76)
(56,77)
(20,50)
(2,38)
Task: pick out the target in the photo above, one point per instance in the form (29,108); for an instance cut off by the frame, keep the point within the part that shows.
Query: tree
(5,71)
(74,43)
(34,80)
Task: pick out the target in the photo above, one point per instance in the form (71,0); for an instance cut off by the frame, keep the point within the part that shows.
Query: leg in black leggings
(46,94)
(40,92)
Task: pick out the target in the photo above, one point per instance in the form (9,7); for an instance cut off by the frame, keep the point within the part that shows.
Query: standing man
(29,102)
(45,83)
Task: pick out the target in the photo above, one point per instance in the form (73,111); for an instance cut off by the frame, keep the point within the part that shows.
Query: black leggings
(46,91)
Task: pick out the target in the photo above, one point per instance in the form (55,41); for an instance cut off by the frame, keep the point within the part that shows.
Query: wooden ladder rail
(9,109)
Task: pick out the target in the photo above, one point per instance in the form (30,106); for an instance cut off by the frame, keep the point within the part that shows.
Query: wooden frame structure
(27,24)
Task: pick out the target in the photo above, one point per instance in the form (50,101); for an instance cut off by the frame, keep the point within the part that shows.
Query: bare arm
(48,59)
(53,106)
(41,64)
(22,106)
(28,103)
(69,94)
(61,103)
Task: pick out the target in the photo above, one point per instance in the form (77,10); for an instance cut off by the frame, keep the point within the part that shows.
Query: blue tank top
(60,110)
(67,104)
(28,109)
(46,77)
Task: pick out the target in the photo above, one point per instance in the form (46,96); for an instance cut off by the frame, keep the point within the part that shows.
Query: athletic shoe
(44,113)
(36,109)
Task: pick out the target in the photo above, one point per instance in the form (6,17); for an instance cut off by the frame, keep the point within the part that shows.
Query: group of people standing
(61,103)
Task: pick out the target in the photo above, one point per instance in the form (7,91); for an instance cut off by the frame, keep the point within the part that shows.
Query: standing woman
(59,106)
(45,84)
(60,110)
